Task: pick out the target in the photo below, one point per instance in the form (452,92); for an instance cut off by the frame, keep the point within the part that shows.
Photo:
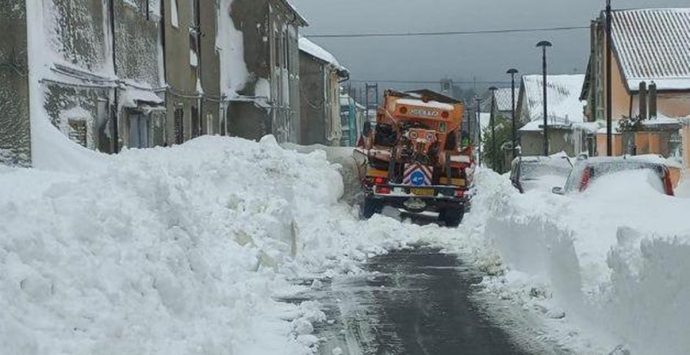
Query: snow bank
(613,261)
(683,189)
(161,253)
(52,150)
(177,250)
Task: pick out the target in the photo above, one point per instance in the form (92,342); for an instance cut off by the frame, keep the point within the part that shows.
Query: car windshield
(603,169)
(621,182)
(531,170)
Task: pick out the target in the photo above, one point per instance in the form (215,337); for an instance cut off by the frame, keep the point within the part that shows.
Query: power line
(426,81)
(448,33)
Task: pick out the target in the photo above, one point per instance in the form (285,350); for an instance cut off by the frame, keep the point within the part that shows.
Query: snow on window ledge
(193,58)
(174,19)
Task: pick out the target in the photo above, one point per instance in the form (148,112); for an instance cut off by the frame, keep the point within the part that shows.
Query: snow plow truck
(411,160)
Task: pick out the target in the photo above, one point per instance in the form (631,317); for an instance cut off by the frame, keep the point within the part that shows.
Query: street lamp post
(479,129)
(609,109)
(512,72)
(493,126)
(544,45)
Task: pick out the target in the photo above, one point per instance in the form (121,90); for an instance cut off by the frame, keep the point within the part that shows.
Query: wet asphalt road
(414,302)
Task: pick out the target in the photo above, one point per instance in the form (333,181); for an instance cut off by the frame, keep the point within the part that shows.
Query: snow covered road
(413,301)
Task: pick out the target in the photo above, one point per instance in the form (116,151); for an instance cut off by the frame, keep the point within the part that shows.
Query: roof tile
(654,45)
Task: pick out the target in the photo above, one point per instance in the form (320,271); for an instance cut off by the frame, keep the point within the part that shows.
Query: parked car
(588,170)
(534,172)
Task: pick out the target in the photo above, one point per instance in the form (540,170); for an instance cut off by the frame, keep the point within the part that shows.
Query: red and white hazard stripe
(412,168)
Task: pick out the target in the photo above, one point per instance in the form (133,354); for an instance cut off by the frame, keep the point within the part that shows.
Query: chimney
(643,100)
(652,100)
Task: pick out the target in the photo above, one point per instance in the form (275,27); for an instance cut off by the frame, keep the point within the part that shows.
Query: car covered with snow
(529,173)
(588,170)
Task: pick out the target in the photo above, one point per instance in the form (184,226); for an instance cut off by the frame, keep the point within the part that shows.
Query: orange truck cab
(411,159)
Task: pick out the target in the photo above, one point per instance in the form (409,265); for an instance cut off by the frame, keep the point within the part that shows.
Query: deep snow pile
(683,189)
(175,251)
(610,260)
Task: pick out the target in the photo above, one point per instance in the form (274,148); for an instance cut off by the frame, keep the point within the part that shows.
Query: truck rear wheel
(370,207)
(452,216)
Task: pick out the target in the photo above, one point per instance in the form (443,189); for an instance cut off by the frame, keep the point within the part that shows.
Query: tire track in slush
(414,302)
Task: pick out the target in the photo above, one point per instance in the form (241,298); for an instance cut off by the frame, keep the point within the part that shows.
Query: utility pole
(544,45)
(479,129)
(512,72)
(609,109)
(493,128)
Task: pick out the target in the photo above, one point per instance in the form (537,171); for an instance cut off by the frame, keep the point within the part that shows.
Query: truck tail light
(383,190)
(376,181)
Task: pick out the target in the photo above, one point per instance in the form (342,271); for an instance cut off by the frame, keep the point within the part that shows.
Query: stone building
(138,69)
(111,74)
(320,78)
(75,76)
(94,71)
(269,102)
(186,36)
(15,140)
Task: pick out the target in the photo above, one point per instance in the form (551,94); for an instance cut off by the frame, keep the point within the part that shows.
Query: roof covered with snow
(503,96)
(291,6)
(563,95)
(654,45)
(316,51)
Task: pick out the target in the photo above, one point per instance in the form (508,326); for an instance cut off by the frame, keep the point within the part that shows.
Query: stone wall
(271,52)
(210,68)
(136,43)
(80,32)
(312,122)
(15,140)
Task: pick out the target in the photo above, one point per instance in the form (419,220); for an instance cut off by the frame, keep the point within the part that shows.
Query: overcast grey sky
(484,57)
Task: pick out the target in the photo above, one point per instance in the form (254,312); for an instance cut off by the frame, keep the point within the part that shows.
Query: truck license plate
(415,204)
(422,192)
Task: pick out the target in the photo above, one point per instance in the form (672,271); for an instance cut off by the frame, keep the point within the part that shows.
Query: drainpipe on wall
(643,101)
(199,65)
(652,101)
(116,128)
(166,134)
